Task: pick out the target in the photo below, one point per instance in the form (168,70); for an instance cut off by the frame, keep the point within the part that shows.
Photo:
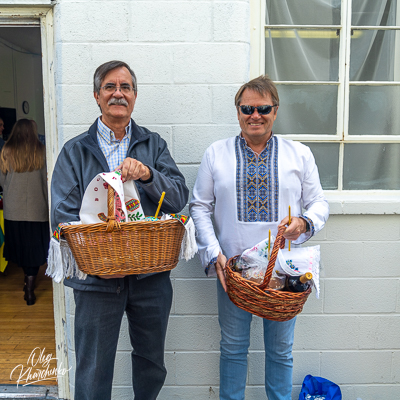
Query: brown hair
(23,152)
(262,85)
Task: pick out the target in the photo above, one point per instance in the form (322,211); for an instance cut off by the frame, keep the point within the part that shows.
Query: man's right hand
(132,169)
(220,269)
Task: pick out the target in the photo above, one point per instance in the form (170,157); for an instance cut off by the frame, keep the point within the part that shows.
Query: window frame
(342,137)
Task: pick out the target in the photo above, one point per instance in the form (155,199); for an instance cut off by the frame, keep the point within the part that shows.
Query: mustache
(118,102)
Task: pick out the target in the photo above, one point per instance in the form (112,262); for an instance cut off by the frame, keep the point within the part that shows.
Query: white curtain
(372,54)
(313,55)
(304,55)
(373,109)
(294,55)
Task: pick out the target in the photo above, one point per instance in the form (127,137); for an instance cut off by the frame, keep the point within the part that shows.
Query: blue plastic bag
(315,385)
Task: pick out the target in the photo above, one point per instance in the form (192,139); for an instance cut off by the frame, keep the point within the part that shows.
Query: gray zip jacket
(81,159)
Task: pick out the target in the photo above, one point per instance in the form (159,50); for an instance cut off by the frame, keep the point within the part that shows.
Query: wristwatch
(147,180)
(307,225)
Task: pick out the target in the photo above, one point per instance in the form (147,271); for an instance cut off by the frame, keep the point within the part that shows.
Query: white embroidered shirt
(247,195)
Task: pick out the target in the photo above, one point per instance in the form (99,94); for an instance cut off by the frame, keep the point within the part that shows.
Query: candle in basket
(159,204)
(299,283)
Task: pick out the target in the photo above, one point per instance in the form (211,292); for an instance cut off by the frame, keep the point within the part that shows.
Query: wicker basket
(139,247)
(255,298)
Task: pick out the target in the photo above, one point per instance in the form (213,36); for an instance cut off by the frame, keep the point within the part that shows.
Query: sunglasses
(262,110)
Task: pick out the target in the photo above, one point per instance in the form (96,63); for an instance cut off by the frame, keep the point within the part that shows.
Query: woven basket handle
(111,221)
(278,244)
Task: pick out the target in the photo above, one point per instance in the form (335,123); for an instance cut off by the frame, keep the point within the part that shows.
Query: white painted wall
(190,57)
(350,335)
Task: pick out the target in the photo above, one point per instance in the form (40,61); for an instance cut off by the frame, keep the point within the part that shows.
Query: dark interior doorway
(21,84)
(22,328)
(9,117)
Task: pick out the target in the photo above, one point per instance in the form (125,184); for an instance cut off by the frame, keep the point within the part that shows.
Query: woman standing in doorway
(26,217)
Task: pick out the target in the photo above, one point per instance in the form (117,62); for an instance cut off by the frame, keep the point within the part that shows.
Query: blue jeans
(235,341)
(98,316)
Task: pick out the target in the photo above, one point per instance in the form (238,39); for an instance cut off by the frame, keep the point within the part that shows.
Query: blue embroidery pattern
(257,185)
(210,264)
(312,227)
(291,265)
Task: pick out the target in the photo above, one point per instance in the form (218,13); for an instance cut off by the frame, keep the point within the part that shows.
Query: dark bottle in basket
(298,283)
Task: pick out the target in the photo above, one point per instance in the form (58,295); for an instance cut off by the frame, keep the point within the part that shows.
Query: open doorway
(27,333)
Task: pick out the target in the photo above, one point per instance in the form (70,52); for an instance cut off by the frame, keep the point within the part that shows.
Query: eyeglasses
(124,88)
(262,110)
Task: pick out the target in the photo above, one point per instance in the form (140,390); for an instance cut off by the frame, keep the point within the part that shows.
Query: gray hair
(105,68)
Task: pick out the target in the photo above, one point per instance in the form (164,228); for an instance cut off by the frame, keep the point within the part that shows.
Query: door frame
(42,15)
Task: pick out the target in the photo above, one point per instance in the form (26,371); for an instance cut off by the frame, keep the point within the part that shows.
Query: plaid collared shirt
(114,150)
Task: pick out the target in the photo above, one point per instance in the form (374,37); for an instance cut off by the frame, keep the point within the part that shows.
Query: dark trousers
(98,316)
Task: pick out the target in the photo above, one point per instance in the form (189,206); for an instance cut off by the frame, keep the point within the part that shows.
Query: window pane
(374,13)
(327,158)
(307,109)
(310,12)
(375,55)
(371,166)
(302,55)
(374,110)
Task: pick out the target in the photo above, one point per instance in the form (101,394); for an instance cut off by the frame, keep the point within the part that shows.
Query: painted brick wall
(190,57)
(350,335)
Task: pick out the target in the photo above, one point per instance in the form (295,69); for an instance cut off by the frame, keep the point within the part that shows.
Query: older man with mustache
(113,142)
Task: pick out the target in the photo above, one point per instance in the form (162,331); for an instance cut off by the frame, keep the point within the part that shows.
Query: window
(337,67)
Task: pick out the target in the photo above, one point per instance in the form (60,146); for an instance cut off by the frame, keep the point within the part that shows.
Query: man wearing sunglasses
(247,183)
(115,141)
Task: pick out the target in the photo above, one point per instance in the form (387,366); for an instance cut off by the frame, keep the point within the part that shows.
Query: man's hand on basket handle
(295,229)
(220,269)
(132,169)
